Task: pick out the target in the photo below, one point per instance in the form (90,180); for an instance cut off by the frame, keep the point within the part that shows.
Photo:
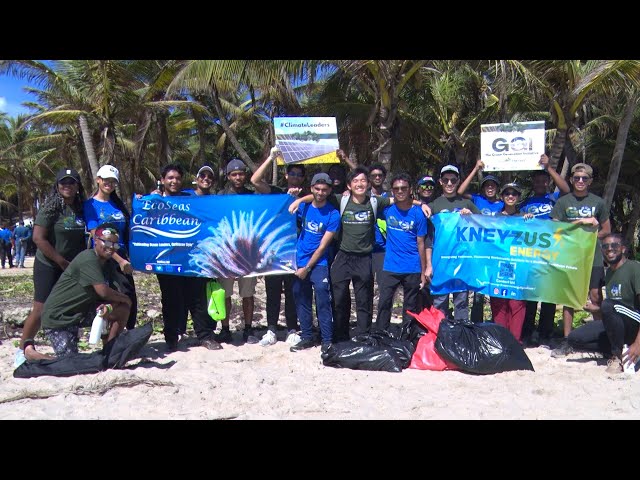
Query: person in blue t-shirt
(320,221)
(540,204)
(21,236)
(489,203)
(105,206)
(405,261)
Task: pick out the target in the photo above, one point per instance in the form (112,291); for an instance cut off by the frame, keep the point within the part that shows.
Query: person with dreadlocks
(59,235)
(105,206)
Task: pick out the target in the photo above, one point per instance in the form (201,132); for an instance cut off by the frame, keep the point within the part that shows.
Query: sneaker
(211,344)
(303,345)
(325,347)
(293,338)
(224,336)
(19,358)
(614,366)
(563,350)
(248,336)
(268,338)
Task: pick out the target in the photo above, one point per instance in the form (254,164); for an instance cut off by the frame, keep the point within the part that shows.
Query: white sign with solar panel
(307,139)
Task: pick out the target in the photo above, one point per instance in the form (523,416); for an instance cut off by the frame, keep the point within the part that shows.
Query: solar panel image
(297,150)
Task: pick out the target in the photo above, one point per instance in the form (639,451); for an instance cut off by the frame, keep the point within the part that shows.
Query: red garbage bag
(425,356)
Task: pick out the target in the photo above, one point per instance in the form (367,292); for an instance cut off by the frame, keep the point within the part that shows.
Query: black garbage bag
(377,351)
(481,348)
(115,354)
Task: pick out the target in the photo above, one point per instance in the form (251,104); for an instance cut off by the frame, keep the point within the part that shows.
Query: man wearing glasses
(581,206)
(425,191)
(83,289)
(620,311)
(451,201)
(275,284)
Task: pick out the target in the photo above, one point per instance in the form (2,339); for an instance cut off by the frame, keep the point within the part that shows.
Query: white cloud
(3,104)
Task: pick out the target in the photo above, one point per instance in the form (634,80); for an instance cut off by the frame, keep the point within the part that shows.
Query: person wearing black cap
(237,178)
(425,193)
(276,284)
(59,234)
(320,221)
(583,207)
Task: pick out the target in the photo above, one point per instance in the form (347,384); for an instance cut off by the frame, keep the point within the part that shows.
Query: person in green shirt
(82,290)
(620,311)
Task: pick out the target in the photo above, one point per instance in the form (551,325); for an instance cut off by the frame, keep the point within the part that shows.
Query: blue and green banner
(213,236)
(510,257)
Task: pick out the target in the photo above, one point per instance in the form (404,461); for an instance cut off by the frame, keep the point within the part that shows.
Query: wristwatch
(308,269)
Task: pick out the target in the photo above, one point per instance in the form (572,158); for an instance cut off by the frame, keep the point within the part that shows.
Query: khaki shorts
(246,286)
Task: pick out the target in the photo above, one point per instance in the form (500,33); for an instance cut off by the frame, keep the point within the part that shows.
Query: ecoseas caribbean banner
(510,257)
(213,236)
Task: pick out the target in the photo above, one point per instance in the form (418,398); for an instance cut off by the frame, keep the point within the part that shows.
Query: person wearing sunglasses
(506,311)
(275,284)
(425,192)
(105,206)
(59,234)
(451,201)
(540,203)
(620,311)
(583,207)
(82,290)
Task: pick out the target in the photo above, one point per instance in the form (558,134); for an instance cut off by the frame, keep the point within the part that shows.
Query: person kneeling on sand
(620,311)
(82,290)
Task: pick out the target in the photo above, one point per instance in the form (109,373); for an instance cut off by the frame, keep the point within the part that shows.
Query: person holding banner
(584,208)
(540,204)
(451,201)
(319,223)
(237,178)
(620,311)
(276,284)
(506,311)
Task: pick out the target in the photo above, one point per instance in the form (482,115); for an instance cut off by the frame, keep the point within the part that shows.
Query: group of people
(351,232)
(14,244)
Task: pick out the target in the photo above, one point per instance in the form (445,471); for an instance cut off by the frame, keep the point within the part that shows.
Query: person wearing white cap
(105,206)
(451,201)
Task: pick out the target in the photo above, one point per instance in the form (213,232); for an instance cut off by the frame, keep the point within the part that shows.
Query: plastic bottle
(629,368)
(96,329)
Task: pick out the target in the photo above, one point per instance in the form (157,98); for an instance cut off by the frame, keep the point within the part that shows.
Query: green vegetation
(16,287)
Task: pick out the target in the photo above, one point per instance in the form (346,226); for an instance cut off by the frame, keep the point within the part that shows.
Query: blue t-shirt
(21,232)
(5,235)
(315,222)
(540,206)
(485,206)
(403,227)
(97,212)
(379,242)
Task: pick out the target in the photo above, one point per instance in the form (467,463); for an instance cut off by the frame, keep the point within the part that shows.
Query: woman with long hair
(105,206)
(59,235)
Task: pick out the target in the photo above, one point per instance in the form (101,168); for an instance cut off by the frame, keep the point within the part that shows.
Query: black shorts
(44,278)
(597,278)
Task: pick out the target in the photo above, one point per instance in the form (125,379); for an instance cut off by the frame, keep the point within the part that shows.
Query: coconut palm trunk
(88,145)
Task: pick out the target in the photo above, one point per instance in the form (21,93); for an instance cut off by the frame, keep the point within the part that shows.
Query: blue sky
(12,95)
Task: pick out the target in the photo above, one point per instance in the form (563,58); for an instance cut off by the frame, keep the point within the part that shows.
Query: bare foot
(32,354)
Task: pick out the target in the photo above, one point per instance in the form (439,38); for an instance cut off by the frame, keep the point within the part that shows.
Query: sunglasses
(580,178)
(206,175)
(109,244)
(426,187)
(295,175)
(452,181)
(377,175)
(611,246)
(67,181)
(511,193)
(399,189)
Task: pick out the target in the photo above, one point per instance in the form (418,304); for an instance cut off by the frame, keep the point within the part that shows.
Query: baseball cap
(426,179)
(450,168)
(513,186)
(234,165)
(67,173)
(206,168)
(108,171)
(106,230)
(321,178)
(488,178)
(584,167)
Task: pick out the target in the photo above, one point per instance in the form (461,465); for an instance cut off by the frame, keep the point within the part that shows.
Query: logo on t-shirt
(616,291)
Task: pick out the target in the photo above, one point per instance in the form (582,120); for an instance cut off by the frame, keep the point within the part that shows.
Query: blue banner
(213,236)
(510,257)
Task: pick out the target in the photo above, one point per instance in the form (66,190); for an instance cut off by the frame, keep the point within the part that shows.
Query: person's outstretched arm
(257,179)
(560,182)
(467,181)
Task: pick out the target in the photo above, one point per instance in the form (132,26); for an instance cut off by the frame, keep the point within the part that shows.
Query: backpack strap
(374,205)
(343,203)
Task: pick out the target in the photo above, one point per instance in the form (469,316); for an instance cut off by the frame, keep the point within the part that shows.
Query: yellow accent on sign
(330,157)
